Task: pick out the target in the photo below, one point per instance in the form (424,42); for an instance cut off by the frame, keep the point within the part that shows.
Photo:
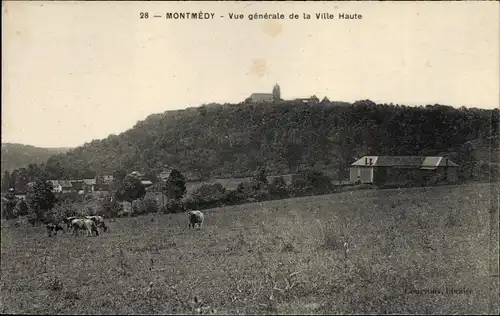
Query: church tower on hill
(276,92)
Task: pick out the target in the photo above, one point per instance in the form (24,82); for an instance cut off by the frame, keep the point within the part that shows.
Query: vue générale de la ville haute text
(253,16)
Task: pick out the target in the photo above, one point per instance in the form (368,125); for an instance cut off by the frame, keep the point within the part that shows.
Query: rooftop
(405,161)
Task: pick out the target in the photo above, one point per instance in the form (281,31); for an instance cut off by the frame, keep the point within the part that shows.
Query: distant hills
(16,156)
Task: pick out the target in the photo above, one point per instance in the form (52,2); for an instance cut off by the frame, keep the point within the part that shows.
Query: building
(311,100)
(56,186)
(66,186)
(107,179)
(403,169)
(265,97)
(147,183)
(89,185)
(165,174)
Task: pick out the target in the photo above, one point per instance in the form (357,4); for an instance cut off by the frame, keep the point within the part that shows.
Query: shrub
(145,206)
(21,208)
(188,202)
(209,195)
(62,211)
(109,208)
(245,190)
(173,206)
(232,197)
(8,205)
(278,188)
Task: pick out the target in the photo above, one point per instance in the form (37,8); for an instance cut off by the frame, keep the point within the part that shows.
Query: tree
(6,181)
(119,177)
(175,186)
(259,180)
(9,202)
(21,209)
(40,198)
(21,180)
(278,187)
(130,190)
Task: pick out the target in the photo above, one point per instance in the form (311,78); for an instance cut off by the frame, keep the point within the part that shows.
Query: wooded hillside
(234,140)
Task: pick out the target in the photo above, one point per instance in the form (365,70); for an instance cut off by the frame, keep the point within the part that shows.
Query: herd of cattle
(92,223)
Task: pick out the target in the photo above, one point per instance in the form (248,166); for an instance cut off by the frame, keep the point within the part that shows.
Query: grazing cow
(99,221)
(68,220)
(195,217)
(53,228)
(85,224)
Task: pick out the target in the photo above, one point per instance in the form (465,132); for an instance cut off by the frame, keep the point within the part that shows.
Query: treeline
(234,140)
(42,206)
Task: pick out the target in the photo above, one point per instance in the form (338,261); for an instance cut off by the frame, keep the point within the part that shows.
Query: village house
(165,174)
(89,185)
(107,179)
(56,186)
(77,185)
(146,183)
(66,186)
(403,169)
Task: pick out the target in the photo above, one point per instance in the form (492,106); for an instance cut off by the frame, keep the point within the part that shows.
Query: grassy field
(354,252)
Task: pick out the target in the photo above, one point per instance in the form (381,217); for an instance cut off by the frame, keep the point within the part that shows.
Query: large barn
(403,169)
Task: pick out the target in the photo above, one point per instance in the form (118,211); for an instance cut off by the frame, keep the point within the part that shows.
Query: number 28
(144,15)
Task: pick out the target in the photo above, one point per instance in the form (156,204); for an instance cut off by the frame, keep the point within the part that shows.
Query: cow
(86,224)
(195,217)
(68,220)
(99,221)
(53,228)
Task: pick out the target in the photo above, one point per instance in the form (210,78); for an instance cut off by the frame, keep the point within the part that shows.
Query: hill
(16,156)
(233,140)
(411,251)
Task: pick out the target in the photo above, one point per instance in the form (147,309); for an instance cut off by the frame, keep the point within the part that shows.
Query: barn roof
(262,96)
(405,161)
(65,183)
(89,181)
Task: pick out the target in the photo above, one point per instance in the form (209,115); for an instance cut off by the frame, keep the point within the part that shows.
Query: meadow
(372,251)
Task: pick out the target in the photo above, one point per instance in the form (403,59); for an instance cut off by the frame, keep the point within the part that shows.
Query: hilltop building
(311,100)
(265,97)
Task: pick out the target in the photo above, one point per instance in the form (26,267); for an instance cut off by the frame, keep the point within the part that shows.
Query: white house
(56,186)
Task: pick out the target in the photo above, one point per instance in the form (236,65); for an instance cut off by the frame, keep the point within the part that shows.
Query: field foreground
(375,251)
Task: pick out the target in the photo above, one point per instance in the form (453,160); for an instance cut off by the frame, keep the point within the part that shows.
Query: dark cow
(99,221)
(195,218)
(53,228)
(84,224)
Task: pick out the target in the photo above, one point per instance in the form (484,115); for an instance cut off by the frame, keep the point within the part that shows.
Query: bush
(278,188)
(188,202)
(232,197)
(173,206)
(110,208)
(21,208)
(245,190)
(8,205)
(145,206)
(62,211)
(209,195)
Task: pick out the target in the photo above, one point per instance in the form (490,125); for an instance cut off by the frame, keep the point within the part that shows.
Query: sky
(77,71)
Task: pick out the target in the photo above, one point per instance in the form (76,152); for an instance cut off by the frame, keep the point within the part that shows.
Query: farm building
(89,184)
(66,186)
(56,186)
(403,169)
